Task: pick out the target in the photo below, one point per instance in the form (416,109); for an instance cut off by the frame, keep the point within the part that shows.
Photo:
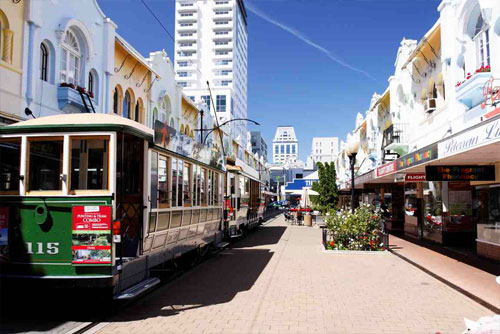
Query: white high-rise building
(324,149)
(285,145)
(211,45)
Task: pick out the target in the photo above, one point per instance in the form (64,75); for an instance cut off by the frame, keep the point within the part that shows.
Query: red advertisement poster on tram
(91,235)
(4,233)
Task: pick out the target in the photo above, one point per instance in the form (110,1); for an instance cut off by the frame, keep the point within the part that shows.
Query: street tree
(327,186)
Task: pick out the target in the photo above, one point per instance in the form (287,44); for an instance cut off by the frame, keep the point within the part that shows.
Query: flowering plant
(81,89)
(91,94)
(65,84)
(354,231)
(482,69)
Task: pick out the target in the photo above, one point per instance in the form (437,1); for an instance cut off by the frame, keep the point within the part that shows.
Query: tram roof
(86,121)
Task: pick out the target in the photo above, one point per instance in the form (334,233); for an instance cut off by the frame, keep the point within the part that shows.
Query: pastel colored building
(68,44)
(131,82)
(11,61)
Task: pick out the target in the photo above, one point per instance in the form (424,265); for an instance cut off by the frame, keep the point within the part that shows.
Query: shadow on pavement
(215,281)
(264,235)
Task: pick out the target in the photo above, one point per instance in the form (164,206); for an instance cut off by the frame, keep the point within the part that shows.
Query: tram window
(89,164)
(210,188)
(174,182)
(152,223)
(203,193)
(10,151)
(187,184)
(198,185)
(163,187)
(154,180)
(180,181)
(45,163)
(195,185)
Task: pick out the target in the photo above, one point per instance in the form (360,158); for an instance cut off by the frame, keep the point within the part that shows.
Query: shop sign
(4,219)
(174,141)
(364,178)
(386,169)
(91,235)
(418,157)
(460,173)
(481,135)
(415,177)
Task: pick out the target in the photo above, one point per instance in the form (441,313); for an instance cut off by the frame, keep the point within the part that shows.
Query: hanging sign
(386,169)
(460,173)
(91,235)
(418,157)
(484,134)
(415,177)
(172,140)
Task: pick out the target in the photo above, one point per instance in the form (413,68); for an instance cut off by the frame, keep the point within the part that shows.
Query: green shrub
(358,231)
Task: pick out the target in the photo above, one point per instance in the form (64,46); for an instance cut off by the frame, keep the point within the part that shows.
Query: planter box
(352,252)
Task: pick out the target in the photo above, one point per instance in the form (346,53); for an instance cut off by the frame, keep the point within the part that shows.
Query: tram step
(236,235)
(222,245)
(138,289)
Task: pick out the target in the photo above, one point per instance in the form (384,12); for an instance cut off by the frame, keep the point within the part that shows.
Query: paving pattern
(278,280)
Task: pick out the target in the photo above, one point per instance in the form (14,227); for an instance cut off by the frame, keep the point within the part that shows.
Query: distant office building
(211,44)
(285,145)
(324,149)
(259,145)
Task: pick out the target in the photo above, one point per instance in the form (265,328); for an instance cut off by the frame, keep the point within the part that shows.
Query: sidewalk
(279,280)
(475,283)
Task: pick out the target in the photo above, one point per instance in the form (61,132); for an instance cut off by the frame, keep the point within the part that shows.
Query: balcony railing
(470,92)
(395,134)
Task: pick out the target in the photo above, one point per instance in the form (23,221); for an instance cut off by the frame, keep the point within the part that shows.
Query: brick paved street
(278,280)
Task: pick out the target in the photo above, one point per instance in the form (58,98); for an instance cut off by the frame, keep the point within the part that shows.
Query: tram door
(129,189)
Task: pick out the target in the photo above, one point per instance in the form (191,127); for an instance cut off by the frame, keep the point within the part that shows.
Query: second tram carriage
(98,200)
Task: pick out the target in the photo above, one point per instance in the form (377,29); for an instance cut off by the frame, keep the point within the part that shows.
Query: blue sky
(312,64)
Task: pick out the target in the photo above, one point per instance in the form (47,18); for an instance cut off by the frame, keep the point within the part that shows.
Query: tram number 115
(40,248)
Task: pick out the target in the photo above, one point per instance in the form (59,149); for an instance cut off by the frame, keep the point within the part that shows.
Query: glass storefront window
(487,204)
(433,206)
(45,164)
(10,153)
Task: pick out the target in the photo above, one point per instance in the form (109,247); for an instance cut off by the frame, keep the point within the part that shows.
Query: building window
(293,149)
(282,149)
(206,100)
(91,85)
(287,149)
(482,40)
(70,59)
(221,103)
(44,62)
(276,149)
(127,104)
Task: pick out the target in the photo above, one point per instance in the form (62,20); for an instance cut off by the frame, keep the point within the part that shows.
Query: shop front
(452,188)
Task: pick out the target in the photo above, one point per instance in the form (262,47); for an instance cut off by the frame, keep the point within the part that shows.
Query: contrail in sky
(305,39)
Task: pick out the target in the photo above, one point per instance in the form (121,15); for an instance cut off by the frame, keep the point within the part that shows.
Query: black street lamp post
(352,160)
(352,151)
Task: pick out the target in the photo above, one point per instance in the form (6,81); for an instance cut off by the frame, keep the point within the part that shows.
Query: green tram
(97,200)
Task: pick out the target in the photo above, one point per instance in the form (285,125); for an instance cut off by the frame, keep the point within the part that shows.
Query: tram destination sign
(174,141)
(91,234)
(460,173)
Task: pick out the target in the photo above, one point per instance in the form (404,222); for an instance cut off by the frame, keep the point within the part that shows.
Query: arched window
(137,116)
(127,103)
(44,62)
(91,85)
(172,123)
(115,101)
(482,40)
(70,59)
(155,116)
